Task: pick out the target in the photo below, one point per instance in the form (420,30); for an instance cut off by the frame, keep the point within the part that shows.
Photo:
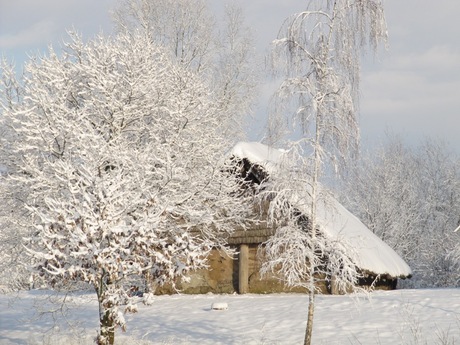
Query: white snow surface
(369,251)
(387,318)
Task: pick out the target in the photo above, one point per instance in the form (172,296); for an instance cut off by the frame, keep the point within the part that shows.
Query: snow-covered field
(394,317)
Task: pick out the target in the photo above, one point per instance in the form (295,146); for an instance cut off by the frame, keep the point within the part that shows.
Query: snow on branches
(118,157)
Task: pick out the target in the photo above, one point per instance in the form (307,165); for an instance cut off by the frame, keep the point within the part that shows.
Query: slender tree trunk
(314,203)
(312,290)
(311,310)
(148,283)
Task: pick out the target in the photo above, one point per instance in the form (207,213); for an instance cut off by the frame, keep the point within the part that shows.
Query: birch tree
(318,54)
(219,49)
(117,157)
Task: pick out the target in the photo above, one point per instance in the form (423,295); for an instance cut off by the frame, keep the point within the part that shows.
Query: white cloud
(416,83)
(436,63)
(28,27)
(414,90)
(414,94)
(38,33)
(32,23)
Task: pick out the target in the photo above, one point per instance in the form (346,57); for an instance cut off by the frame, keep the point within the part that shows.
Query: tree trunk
(106,334)
(314,205)
(311,309)
(107,330)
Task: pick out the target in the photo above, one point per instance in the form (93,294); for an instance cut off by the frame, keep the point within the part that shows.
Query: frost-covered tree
(454,257)
(318,54)
(219,49)
(13,264)
(383,194)
(117,157)
(410,197)
(14,272)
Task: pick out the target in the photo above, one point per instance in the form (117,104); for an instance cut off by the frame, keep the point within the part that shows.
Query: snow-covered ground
(394,317)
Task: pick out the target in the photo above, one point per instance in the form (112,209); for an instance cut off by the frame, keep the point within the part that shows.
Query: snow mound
(369,251)
(219,306)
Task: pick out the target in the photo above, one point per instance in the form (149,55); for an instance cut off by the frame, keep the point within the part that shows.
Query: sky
(412,89)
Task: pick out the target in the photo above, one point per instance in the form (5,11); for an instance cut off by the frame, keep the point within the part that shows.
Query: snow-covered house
(380,264)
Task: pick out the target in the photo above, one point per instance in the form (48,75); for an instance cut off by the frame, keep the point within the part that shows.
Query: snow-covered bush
(115,153)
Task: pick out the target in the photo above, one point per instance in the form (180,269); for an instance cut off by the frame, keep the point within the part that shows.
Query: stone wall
(222,277)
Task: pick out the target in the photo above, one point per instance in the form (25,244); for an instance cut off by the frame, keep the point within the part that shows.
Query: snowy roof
(370,252)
